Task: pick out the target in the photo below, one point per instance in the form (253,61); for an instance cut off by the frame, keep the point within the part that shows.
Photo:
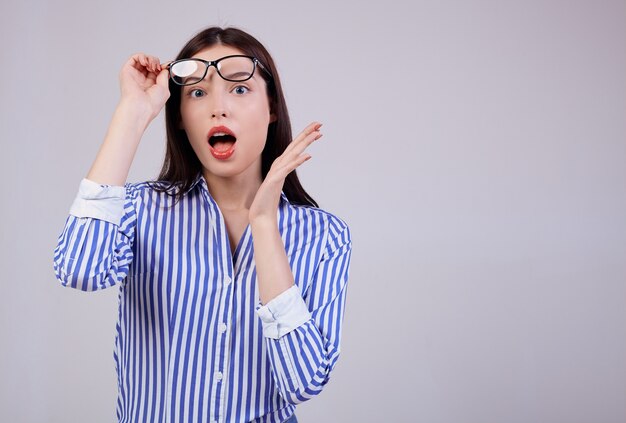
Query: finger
(301,159)
(306,131)
(135,61)
(163,78)
(155,63)
(152,77)
(139,63)
(280,169)
(303,144)
(286,169)
(144,62)
(312,127)
(150,63)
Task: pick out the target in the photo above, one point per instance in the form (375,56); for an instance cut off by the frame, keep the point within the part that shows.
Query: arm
(304,354)
(272,266)
(302,336)
(94,249)
(144,91)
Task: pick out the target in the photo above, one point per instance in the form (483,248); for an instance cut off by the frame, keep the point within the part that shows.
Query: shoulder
(330,226)
(147,191)
(145,186)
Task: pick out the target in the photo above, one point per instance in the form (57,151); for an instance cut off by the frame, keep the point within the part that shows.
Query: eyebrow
(254,78)
(234,75)
(205,81)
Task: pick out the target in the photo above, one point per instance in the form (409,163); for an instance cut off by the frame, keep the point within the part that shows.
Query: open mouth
(222,142)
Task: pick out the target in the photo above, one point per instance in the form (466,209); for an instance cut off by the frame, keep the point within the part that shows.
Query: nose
(218,107)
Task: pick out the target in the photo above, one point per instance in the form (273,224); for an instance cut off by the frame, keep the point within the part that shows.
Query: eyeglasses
(235,68)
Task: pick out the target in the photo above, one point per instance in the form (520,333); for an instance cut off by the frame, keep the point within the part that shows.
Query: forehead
(215,52)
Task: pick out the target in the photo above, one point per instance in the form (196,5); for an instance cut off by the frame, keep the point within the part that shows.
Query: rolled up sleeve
(303,333)
(95,248)
(284,313)
(104,202)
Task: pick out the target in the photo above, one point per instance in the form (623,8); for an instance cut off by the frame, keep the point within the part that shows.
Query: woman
(232,281)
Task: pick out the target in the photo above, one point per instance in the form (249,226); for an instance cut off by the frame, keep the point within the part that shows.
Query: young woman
(232,281)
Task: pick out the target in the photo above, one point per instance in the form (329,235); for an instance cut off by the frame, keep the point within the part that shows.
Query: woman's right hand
(144,83)
(144,86)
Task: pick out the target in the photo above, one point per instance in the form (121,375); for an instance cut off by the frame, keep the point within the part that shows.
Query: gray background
(476,148)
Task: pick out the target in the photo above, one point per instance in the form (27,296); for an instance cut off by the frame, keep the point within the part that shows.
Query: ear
(273,118)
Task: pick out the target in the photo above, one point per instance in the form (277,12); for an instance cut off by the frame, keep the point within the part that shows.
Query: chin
(232,168)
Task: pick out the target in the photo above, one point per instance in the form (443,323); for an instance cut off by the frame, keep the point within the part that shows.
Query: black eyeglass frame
(256,62)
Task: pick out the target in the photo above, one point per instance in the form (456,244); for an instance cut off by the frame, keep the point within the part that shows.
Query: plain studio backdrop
(476,148)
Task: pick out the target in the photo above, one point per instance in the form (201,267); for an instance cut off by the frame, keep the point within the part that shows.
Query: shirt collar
(200,182)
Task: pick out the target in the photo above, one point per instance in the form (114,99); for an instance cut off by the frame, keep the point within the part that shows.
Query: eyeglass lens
(191,71)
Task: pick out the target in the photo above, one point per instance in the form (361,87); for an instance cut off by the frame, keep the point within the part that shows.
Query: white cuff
(283,314)
(104,202)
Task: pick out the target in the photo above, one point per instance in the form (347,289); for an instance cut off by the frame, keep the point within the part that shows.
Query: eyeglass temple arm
(259,64)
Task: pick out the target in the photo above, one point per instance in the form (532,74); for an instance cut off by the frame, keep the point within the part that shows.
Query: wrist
(134,113)
(263,223)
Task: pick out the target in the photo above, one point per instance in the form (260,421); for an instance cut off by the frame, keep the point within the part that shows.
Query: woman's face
(226,122)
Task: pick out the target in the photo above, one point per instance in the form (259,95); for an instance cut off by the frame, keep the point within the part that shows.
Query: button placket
(222,365)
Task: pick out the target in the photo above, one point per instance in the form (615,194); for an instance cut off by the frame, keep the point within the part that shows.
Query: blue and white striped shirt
(193,343)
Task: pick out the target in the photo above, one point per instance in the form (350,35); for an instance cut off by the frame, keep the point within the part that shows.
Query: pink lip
(222,155)
(223,129)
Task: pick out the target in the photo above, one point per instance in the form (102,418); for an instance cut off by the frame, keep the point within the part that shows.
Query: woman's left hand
(266,200)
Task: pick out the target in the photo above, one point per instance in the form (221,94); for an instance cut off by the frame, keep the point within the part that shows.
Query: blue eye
(196,93)
(240,89)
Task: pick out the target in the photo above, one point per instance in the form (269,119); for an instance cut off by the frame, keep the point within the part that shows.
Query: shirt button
(222,327)
(228,280)
(218,375)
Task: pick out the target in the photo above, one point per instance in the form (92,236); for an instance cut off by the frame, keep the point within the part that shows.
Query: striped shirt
(193,343)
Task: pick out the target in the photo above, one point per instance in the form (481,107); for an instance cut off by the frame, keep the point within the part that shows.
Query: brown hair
(181,166)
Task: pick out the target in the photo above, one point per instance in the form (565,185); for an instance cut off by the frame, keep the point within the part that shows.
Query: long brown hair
(181,166)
